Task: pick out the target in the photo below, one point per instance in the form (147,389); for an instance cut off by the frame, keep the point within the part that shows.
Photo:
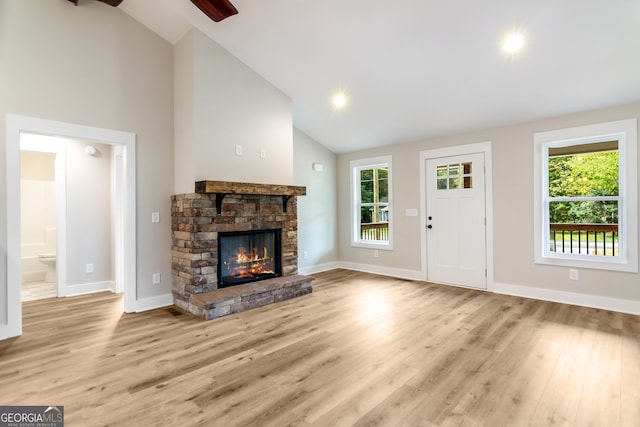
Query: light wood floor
(38,290)
(361,350)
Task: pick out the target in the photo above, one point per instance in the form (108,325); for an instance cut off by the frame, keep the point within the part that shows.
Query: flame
(250,264)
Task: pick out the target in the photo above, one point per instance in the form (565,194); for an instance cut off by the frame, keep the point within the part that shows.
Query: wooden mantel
(222,188)
(226,187)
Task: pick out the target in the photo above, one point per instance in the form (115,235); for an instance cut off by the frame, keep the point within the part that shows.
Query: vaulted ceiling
(415,69)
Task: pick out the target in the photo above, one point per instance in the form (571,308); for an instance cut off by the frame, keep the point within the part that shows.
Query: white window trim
(625,131)
(355,166)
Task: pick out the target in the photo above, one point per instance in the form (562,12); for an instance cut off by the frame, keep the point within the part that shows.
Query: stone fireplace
(211,282)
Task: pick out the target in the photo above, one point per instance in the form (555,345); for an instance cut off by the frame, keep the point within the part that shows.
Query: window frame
(623,131)
(356,166)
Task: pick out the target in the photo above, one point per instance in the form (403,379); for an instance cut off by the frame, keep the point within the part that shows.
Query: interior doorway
(68,222)
(123,144)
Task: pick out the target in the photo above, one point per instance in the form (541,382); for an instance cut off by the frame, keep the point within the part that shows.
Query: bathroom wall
(38,211)
(89,212)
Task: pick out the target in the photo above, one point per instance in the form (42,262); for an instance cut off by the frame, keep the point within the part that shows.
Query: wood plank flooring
(362,350)
(38,290)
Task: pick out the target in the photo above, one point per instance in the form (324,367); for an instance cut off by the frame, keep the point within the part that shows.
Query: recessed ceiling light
(339,100)
(513,43)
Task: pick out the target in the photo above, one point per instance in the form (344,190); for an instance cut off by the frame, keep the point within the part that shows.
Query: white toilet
(50,261)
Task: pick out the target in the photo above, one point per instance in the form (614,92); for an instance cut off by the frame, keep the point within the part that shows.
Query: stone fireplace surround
(219,206)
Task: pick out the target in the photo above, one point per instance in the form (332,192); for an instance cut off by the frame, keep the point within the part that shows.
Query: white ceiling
(415,69)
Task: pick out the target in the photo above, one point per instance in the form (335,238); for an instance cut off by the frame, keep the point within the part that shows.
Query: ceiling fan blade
(114,3)
(215,9)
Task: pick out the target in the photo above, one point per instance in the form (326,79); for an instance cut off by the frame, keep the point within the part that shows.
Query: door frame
(15,125)
(458,150)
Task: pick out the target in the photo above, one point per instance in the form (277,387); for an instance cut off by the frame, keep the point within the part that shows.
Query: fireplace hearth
(261,265)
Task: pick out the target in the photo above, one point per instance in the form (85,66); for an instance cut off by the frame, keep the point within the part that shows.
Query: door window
(454,176)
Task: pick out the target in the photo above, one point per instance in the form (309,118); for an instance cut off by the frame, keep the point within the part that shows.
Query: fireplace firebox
(248,256)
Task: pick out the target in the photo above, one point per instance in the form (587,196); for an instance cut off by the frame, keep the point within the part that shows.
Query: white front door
(456,240)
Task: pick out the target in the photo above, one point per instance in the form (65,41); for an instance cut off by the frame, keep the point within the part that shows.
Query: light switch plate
(155,216)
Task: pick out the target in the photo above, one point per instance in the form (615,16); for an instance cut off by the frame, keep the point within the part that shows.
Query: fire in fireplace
(248,256)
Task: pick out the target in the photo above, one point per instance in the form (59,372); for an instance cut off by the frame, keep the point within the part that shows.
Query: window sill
(385,246)
(610,264)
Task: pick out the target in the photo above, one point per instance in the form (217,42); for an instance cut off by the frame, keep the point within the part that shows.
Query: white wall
(37,212)
(228,105)
(317,211)
(38,202)
(94,65)
(512,209)
(184,113)
(89,233)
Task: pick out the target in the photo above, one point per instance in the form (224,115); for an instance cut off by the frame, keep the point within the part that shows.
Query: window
(586,196)
(454,176)
(371,195)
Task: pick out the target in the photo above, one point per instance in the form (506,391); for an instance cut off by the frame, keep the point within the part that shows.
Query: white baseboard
(151,303)
(319,268)
(89,288)
(383,271)
(572,298)
(585,300)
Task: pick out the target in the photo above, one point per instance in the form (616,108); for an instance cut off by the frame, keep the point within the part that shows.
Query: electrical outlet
(155,279)
(376,254)
(305,254)
(155,216)
(573,274)
(89,268)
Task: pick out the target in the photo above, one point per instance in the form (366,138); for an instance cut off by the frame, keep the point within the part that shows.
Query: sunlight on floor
(374,311)
(105,334)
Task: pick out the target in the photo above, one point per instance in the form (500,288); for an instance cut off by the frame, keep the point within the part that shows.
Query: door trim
(15,125)
(480,147)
